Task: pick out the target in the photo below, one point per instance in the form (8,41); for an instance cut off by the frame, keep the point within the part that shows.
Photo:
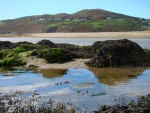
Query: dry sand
(134,34)
(41,63)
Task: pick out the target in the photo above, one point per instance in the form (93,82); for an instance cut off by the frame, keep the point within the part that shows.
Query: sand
(41,63)
(134,34)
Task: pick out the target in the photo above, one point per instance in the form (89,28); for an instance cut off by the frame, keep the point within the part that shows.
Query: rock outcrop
(111,53)
(6,44)
(78,51)
(118,53)
(47,44)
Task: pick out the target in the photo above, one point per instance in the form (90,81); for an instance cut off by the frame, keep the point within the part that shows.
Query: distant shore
(134,34)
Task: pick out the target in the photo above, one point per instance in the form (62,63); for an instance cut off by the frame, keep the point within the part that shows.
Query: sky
(11,9)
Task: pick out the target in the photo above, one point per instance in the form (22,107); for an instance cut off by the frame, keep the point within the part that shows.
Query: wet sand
(134,34)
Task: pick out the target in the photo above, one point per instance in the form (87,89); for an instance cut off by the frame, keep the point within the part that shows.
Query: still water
(85,88)
(143,42)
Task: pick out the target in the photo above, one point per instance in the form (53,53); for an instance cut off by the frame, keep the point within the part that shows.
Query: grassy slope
(99,25)
(96,21)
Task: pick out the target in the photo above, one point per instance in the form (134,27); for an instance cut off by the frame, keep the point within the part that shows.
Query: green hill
(94,20)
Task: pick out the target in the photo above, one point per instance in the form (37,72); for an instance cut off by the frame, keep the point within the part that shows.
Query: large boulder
(118,53)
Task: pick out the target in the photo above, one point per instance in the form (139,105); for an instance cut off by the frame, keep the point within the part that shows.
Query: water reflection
(85,88)
(112,76)
(51,73)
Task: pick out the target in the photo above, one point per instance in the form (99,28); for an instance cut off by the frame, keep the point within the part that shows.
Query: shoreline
(131,34)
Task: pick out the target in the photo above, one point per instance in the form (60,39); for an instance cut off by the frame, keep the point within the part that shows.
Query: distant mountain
(94,20)
(98,14)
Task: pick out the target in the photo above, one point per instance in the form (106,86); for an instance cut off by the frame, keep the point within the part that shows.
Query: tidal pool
(86,89)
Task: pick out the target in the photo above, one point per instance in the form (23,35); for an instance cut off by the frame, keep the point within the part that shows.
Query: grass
(99,24)
(57,24)
(64,26)
(148,29)
(2,24)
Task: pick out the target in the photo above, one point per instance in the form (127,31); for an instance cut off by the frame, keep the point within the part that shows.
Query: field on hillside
(98,25)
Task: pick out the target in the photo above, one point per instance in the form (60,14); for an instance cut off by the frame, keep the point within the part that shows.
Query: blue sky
(10,9)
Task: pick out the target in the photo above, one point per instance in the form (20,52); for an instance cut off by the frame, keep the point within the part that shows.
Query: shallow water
(143,42)
(85,88)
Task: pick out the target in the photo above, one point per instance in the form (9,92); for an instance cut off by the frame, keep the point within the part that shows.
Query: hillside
(95,20)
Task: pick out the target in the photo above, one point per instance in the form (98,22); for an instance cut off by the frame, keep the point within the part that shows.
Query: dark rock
(10,45)
(25,42)
(141,106)
(118,53)
(47,44)
(78,51)
(6,44)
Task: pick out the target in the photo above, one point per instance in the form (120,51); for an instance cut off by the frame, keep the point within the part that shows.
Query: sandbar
(133,34)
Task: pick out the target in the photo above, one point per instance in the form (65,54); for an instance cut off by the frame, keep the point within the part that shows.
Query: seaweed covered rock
(116,53)
(77,51)
(9,57)
(53,55)
(6,44)
(47,44)
(56,55)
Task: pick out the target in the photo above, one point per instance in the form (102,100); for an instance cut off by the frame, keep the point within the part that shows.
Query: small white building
(83,19)
(120,19)
(67,19)
(109,18)
(75,19)
(58,19)
(144,26)
(41,18)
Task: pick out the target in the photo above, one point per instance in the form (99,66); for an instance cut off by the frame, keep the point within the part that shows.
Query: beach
(133,34)
(42,64)
(76,63)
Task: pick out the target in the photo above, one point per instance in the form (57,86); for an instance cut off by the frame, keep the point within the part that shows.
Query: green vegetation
(12,57)
(52,55)
(80,47)
(19,49)
(99,25)
(82,21)
(2,24)
(62,23)
(147,51)
(9,58)
(25,47)
(148,29)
